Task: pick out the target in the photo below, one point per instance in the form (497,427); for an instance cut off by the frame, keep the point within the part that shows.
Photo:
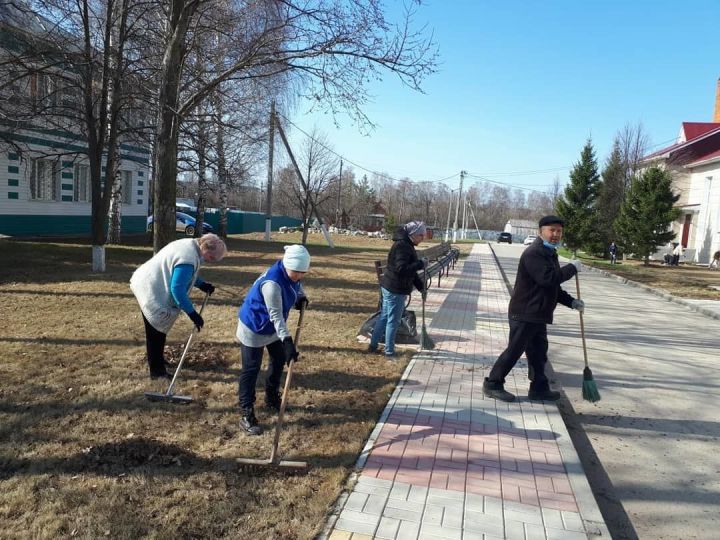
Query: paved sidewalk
(444,462)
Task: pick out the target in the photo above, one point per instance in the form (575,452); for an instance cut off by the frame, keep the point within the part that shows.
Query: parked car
(183,223)
(505,237)
(529,240)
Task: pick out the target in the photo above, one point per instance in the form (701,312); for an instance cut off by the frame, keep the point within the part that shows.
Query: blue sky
(522,84)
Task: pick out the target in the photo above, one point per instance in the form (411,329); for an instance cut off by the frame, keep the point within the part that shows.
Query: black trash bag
(406,332)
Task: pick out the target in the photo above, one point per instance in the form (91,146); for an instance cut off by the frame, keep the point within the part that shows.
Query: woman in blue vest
(262,324)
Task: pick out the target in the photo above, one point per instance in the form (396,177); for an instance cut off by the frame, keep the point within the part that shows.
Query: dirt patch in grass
(84,454)
(685,281)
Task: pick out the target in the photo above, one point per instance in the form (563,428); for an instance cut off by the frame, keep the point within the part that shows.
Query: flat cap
(551,220)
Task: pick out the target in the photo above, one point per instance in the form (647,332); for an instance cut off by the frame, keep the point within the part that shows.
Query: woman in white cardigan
(162,285)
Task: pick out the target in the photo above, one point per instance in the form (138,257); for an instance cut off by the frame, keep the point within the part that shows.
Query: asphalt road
(650,446)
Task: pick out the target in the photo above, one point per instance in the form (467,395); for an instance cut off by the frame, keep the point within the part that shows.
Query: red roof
(695,129)
(699,131)
(711,155)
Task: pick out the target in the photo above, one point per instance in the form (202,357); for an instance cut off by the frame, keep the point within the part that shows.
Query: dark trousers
(155,346)
(251,363)
(531,339)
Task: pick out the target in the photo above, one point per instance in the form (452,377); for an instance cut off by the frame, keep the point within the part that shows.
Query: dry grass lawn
(82,452)
(686,280)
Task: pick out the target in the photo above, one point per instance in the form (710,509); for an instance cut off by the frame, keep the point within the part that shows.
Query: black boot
(496,390)
(542,392)
(273,399)
(249,423)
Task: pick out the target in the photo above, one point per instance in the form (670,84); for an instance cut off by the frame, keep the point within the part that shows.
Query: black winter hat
(550,220)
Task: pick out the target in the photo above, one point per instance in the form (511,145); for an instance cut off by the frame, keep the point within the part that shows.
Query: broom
(425,341)
(589,387)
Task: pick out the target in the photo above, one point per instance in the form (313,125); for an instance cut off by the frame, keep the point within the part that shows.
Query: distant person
(396,284)
(677,253)
(612,249)
(262,324)
(715,263)
(536,294)
(162,285)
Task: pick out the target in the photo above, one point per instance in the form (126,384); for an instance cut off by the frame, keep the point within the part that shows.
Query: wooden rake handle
(286,391)
(582,324)
(187,348)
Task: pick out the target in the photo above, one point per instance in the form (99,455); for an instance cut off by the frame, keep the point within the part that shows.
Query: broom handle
(187,348)
(582,325)
(286,391)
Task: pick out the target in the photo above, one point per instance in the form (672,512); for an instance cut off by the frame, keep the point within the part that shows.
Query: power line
(354,163)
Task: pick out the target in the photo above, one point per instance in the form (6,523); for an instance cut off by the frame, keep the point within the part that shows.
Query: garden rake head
(169,396)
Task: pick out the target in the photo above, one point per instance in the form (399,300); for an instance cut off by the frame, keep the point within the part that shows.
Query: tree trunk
(168,128)
(221,166)
(202,144)
(115,212)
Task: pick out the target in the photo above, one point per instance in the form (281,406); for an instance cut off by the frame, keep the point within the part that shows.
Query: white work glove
(577,264)
(579,305)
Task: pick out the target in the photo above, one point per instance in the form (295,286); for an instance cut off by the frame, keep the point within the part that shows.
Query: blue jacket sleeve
(179,285)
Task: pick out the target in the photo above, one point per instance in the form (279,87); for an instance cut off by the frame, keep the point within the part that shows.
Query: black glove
(290,350)
(207,287)
(301,302)
(197,319)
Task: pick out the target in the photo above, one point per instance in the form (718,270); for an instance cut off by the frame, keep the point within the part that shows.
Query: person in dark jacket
(537,291)
(397,282)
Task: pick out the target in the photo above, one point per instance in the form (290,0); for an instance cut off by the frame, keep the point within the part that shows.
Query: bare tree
(74,74)
(633,142)
(331,50)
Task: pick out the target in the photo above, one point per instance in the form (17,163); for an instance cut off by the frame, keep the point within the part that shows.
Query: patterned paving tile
(449,463)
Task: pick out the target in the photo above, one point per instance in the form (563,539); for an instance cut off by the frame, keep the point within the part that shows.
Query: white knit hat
(296,258)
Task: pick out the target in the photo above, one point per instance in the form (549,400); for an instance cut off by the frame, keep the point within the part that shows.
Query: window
(127,186)
(82,183)
(44,180)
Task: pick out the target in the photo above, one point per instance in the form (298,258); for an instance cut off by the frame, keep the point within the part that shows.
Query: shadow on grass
(338,381)
(151,458)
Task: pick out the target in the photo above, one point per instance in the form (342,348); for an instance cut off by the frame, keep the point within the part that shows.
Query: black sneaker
(273,400)
(543,395)
(249,423)
(371,350)
(496,390)
(159,376)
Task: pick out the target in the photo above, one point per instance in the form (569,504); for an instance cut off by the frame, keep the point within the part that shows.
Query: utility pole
(464,221)
(457,207)
(339,203)
(447,228)
(268,204)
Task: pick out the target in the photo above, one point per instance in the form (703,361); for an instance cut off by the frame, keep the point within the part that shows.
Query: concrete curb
(657,292)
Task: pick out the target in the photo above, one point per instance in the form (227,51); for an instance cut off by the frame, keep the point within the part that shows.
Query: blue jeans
(391,312)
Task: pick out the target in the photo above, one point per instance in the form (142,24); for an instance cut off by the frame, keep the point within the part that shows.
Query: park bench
(441,259)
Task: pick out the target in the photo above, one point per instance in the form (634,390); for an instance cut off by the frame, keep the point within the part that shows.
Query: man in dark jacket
(397,282)
(537,291)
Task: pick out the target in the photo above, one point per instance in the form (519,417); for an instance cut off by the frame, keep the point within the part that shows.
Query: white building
(520,228)
(45,183)
(694,161)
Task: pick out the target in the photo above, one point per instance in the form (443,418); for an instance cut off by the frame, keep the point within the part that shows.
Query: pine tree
(611,192)
(647,213)
(577,204)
